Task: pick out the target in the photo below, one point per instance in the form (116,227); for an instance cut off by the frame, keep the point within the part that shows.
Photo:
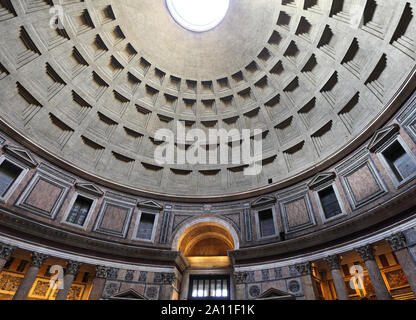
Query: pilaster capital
(333,262)
(38,259)
(168,278)
(304,268)
(5,251)
(366,252)
(72,267)
(240,277)
(397,241)
(101,272)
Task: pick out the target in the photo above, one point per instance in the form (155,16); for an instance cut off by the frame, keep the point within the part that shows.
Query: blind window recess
(266,223)
(8,175)
(329,202)
(146,224)
(399,161)
(79,211)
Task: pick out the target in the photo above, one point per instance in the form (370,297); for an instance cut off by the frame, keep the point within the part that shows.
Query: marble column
(398,244)
(5,254)
(101,274)
(72,269)
(305,270)
(334,264)
(367,254)
(36,262)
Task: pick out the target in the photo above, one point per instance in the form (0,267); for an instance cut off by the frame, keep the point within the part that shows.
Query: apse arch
(215,227)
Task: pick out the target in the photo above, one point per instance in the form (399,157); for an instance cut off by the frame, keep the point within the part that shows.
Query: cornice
(37,229)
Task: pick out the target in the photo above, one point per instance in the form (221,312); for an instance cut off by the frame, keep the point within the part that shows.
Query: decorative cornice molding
(263,201)
(366,252)
(397,241)
(10,219)
(90,188)
(38,259)
(22,155)
(150,204)
(168,278)
(333,262)
(320,179)
(381,136)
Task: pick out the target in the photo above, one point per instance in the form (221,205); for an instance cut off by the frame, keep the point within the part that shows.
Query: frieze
(304,268)
(101,272)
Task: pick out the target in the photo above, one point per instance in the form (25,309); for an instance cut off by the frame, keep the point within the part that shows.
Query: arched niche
(205,243)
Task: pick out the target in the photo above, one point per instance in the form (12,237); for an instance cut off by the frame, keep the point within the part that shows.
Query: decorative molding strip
(22,155)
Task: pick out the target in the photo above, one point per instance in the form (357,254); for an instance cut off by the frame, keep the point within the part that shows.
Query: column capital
(72,267)
(168,278)
(397,241)
(240,277)
(101,272)
(5,251)
(304,268)
(366,252)
(38,259)
(333,262)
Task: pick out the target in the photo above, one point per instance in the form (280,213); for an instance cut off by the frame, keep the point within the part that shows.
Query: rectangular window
(266,223)
(384,261)
(146,224)
(209,288)
(79,211)
(22,266)
(329,202)
(399,161)
(48,272)
(8,174)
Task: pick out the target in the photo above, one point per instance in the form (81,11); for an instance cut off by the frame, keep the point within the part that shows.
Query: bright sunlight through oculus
(198,15)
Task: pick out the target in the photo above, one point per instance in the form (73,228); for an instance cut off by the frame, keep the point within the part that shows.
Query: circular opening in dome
(198,15)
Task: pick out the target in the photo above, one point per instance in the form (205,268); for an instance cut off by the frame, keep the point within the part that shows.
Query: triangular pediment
(381,136)
(262,201)
(22,155)
(321,178)
(274,293)
(90,188)
(150,204)
(129,294)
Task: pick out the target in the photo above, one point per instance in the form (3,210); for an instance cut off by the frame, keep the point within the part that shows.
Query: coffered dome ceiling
(313,75)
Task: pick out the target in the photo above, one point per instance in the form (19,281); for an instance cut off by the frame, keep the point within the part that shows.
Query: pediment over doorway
(275,294)
(129,294)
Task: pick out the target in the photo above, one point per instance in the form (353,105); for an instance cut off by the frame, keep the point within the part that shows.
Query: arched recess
(205,242)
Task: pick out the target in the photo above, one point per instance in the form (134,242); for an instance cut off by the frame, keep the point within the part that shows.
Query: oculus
(198,15)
